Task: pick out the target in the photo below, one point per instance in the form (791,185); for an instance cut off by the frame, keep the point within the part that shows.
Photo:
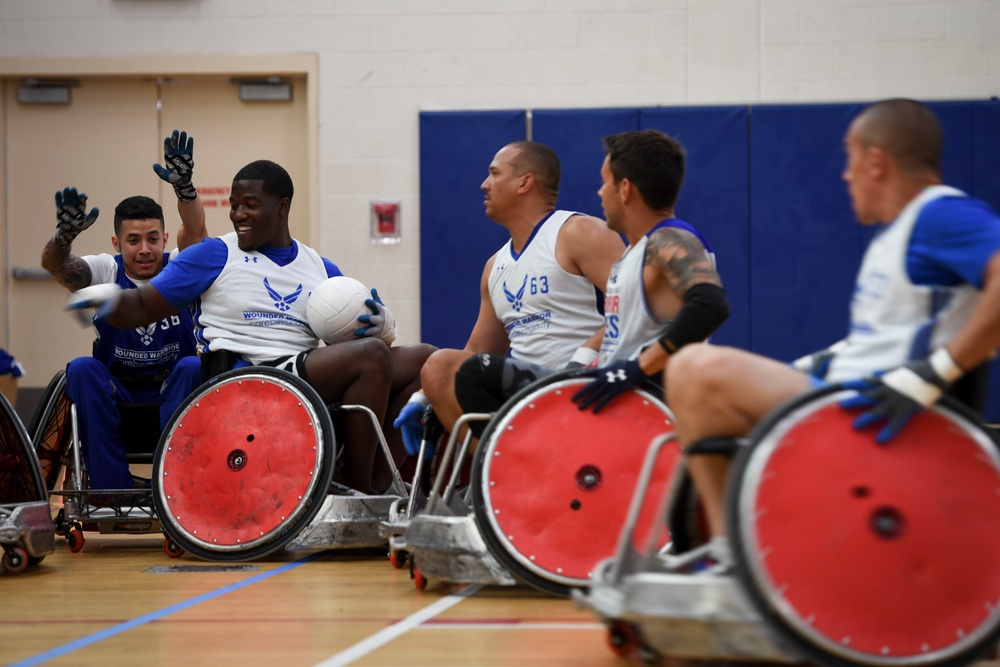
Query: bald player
(925,310)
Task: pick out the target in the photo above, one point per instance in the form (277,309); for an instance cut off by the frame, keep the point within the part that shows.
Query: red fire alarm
(385,221)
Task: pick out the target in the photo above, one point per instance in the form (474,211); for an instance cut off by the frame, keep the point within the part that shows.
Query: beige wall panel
(104,144)
(230,133)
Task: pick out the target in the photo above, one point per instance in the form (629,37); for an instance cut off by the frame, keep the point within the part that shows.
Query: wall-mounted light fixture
(269,89)
(45,91)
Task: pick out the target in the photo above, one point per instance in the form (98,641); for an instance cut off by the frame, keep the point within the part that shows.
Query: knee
(377,360)
(85,372)
(438,372)
(696,370)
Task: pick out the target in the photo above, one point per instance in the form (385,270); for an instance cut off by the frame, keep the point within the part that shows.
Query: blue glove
(411,423)
(178,154)
(103,298)
(612,380)
(380,323)
(72,216)
(896,396)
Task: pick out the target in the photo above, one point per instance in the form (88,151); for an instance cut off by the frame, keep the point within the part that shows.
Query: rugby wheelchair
(548,490)
(246,467)
(26,532)
(844,552)
(56,441)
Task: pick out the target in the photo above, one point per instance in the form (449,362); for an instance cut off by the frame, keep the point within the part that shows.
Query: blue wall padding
(986,157)
(805,246)
(764,184)
(575,136)
(457,238)
(715,197)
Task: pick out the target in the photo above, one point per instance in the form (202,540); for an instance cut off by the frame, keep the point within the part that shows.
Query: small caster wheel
(648,655)
(35,560)
(172,549)
(621,639)
(397,559)
(74,539)
(15,560)
(419,580)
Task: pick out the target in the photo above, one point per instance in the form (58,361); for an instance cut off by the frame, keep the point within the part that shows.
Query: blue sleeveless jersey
(146,353)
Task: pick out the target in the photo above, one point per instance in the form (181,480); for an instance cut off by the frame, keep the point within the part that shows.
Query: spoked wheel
(552,484)
(244,465)
(50,429)
(860,554)
(21,478)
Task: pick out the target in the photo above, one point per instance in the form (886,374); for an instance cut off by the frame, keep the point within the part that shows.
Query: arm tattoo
(70,271)
(681,257)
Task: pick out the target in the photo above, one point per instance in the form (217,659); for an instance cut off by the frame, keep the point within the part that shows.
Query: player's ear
(527,182)
(115,244)
(166,238)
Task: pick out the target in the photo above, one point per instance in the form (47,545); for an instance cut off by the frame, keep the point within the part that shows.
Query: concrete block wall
(383,61)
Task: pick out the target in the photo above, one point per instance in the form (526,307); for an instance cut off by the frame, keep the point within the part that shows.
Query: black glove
(612,380)
(178,154)
(72,216)
(897,395)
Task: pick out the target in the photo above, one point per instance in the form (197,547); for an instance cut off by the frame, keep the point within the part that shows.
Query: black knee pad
(479,386)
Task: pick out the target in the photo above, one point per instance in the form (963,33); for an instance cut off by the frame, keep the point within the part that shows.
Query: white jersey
(547,312)
(893,320)
(628,325)
(257,308)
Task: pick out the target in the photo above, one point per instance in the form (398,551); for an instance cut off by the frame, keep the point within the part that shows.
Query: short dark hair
(905,129)
(541,161)
(276,180)
(138,207)
(652,161)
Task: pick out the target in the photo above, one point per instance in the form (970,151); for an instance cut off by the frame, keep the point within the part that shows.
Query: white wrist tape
(944,365)
(419,397)
(584,356)
(910,384)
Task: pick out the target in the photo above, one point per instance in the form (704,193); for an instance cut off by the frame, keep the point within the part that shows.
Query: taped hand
(380,323)
(410,422)
(103,298)
(893,398)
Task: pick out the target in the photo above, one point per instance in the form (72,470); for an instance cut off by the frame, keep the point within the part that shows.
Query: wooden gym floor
(122,601)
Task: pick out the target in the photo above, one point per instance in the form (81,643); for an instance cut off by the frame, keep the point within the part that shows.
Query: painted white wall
(383,61)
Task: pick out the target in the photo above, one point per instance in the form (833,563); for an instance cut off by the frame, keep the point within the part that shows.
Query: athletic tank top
(892,320)
(629,327)
(547,312)
(257,308)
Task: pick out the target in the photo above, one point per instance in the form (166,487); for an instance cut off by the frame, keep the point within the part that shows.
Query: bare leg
(407,360)
(355,373)
(723,392)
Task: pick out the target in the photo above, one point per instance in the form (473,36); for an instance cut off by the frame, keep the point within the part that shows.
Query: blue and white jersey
(547,312)
(252,303)
(146,353)
(629,326)
(918,282)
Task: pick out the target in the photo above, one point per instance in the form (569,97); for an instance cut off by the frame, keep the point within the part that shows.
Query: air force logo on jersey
(146,333)
(516,301)
(282,303)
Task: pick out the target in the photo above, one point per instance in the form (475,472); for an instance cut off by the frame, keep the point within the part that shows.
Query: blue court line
(107,633)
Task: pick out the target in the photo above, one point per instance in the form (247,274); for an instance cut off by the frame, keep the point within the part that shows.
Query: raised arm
(71,213)
(124,309)
(178,155)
